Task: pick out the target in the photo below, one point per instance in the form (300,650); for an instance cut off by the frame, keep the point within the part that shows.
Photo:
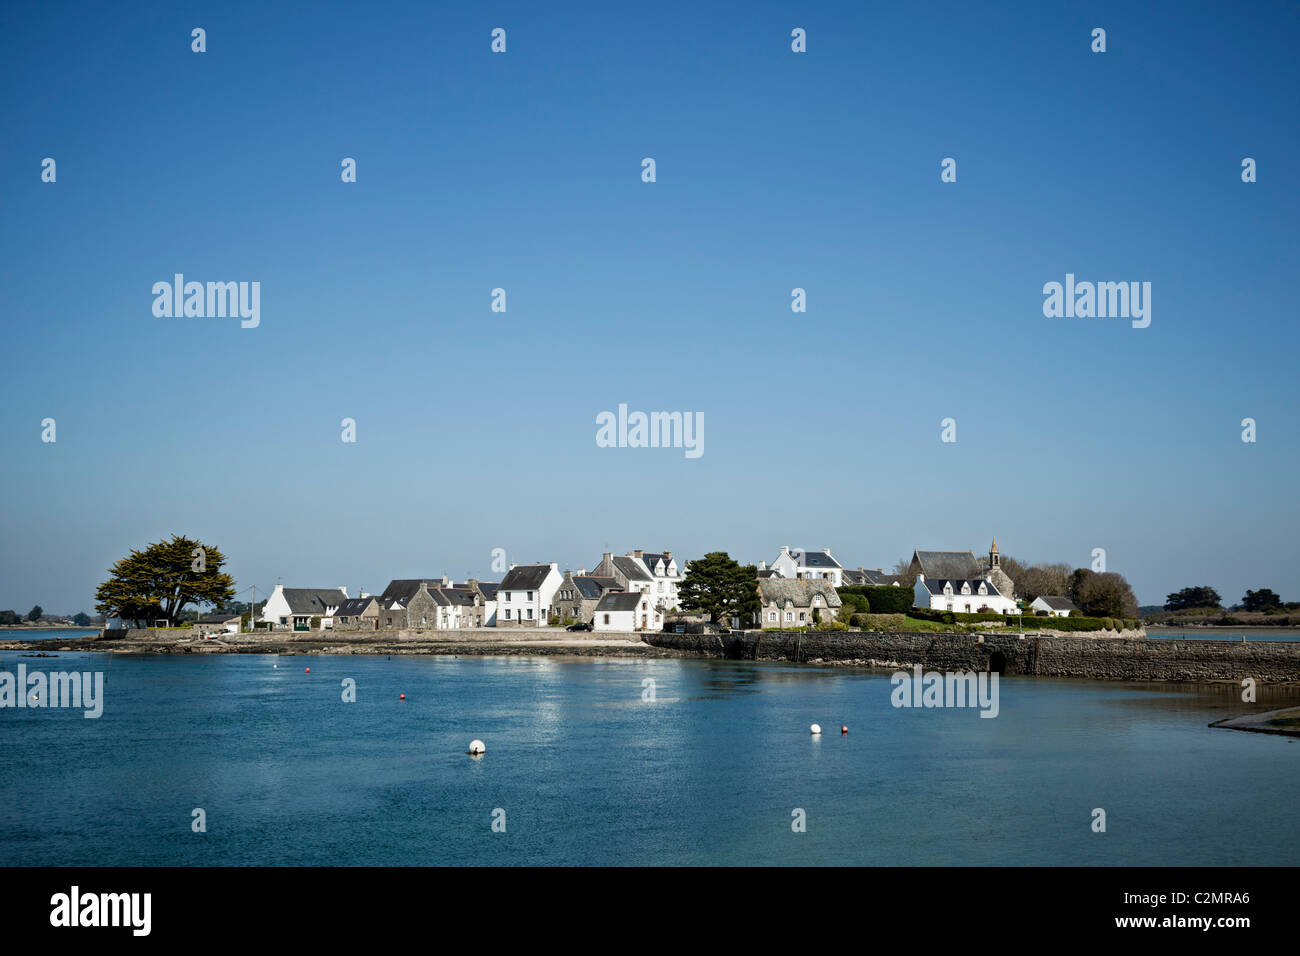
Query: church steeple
(995,559)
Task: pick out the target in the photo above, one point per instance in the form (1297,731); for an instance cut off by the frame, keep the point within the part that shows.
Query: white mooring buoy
(476,747)
(816,728)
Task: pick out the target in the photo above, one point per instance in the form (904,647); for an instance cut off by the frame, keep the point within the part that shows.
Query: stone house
(798,602)
(358,614)
(578,594)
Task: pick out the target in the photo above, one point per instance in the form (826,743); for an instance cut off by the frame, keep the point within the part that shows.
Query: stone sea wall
(1095,658)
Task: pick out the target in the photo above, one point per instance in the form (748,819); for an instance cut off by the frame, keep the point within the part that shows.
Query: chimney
(785,549)
(512,565)
(826,550)
(446,582)
(581,572)
(472,584)
(668,555)
(365,593)
(345,591)
(638,553)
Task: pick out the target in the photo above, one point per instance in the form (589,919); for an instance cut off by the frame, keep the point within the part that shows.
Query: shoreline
(1265,723)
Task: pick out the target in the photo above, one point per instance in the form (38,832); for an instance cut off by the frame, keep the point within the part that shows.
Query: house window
(530,614)
(507,614)
(789,615)
(801,617)
(530,595)
(771,615)
(606,618)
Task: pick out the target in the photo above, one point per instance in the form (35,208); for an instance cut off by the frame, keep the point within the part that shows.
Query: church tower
(1006,587)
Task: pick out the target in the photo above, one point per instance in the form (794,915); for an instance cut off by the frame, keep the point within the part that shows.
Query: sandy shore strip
(1285,722)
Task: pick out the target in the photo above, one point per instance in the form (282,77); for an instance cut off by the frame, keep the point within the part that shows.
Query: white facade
(960,597)
(1039,604)
(667,576)
(528,606)
(797,564)
(280,610)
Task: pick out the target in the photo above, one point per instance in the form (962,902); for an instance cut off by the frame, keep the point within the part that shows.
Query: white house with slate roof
(632,575)
(295,607)
(800,565)
(960,595)
(527,594)
(1054,605)
(618,611)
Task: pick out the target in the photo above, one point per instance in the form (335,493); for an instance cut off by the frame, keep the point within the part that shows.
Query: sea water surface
(587,771)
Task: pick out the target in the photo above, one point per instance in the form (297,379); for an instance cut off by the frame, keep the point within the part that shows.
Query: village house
(811,565)
(618,611)
(665,577)
(632,575)
(527,594)
(578,595)
(961,595)
(359,613)
(1054,605)
(870,578)
(297,608)
(223,623)
(796,602)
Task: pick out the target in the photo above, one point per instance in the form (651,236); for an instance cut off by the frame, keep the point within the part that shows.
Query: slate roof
(652,559)
(313,600)
(935,586)
(959,565)
(353,606)
(525,577)
(632,569)
(590,586)
(403,589)
(766,573)
(217,618)
(799,591)
(1057,603)
(620,601)
(855,578)
(813,559)
(880,578)
(489,590)
(461,596)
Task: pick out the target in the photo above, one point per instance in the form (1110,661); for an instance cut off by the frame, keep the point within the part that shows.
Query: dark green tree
(1262,600)
(81,619)
(721,587)
(1189,598)
(35,613)
(163,578)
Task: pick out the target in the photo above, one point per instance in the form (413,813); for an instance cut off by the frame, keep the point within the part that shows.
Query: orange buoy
(402,696)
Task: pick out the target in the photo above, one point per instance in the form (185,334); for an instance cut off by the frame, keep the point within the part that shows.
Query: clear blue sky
(476,430)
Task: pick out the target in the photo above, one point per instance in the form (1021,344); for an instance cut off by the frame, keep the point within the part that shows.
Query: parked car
(579,627)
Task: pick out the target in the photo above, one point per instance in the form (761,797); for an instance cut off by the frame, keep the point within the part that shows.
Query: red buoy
(844,729)
(308,671)
(402,696)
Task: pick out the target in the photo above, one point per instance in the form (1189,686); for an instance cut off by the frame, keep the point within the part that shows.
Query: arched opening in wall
(997,662)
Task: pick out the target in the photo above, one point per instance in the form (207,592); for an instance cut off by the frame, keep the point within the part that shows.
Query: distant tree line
(1264,600)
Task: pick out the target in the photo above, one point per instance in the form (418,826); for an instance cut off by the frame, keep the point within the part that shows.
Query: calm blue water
(589,774)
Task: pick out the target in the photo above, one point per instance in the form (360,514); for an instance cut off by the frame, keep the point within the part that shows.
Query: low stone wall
(1092,658)
(489,635)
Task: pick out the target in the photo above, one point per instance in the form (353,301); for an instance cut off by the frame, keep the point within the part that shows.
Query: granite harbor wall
(1093,658)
